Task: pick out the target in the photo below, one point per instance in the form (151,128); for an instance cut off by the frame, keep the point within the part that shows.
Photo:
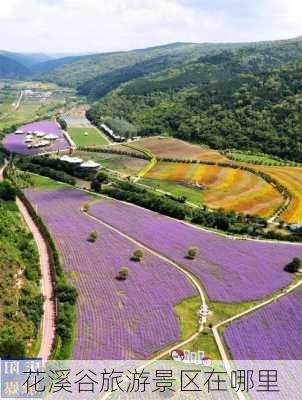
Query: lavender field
(271,333)
(129,319)
(230,270)
(15,142)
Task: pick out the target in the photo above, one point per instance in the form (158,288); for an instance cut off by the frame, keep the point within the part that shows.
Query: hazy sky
(105,25)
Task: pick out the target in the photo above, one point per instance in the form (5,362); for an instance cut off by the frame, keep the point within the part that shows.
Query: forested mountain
(49,65)
(247,98)
(12,69)
(26,59)
(96,70)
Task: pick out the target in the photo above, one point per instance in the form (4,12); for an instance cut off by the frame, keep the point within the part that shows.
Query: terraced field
(229,188)
(173,148)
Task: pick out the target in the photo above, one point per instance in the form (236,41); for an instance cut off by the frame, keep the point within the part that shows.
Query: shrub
(66,293)
(294,266)
(10,345)
(86,207)
(138,255)
(7,191)
(93,236)
(123,274)
(193,252)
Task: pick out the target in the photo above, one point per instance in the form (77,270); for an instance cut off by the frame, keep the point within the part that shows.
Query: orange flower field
(231,189)
(291,178)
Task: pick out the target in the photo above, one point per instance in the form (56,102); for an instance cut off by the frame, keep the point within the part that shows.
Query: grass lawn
(188,313)
(116,162)
(94,137)
(177,189)
(44,183)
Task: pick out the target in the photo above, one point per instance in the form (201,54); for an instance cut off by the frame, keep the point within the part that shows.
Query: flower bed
(230,270)
(129,319)
(14,142)
(271,333)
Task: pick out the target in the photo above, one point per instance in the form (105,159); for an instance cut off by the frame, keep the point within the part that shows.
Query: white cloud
(104,25)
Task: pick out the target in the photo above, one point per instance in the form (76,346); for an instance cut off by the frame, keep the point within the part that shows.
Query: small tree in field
(86,207)
(93,236)
(123,274)
(192,252)
(138,255)
(294,266)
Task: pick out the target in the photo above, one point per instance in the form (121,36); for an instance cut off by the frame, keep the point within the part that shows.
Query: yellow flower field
(231,189)
(291,178)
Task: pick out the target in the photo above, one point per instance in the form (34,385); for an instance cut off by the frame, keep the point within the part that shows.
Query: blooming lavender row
(271,333)
(129,319)
(230,270)
(14,142)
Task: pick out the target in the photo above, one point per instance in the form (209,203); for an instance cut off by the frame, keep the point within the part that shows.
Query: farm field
(177,189)
(228,188)
(231,271)
(248,157)
(291,178)
(271,333)
(31,107)
(116,319)
(168,147)
(116,162)
(94,137)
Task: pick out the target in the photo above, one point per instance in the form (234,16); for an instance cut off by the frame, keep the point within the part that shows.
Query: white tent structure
(19,132)
(28,140)
(90,164)
(51,136)
(39,134)
(71,160)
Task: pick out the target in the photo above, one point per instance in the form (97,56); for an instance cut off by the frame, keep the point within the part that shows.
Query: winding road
(48,320)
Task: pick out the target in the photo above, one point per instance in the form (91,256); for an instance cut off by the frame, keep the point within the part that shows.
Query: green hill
(26,59)
(247,98)
(10,68)
(89,71)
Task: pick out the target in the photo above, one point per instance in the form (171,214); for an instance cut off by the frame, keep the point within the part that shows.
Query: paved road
(48,320)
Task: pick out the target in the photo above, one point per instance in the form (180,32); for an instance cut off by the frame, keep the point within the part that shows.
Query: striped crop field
(291,178)
(167,147)
(229,188)
(116,320)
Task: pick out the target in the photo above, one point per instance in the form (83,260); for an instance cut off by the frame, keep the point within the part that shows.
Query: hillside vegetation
(246,99)
(11,69)
(94,74)
(20,297)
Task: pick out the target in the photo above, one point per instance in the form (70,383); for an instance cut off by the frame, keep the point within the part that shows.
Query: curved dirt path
(48,321)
